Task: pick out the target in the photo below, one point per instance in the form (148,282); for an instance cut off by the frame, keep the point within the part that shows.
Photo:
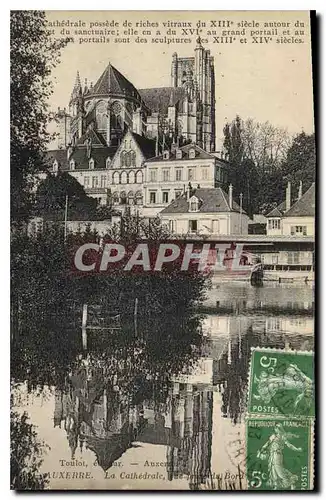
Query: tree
(51,198)
(33,55)
(25,455)
(300,162)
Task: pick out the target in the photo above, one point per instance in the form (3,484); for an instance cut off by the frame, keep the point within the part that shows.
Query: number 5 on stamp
(279,454)
(281,383)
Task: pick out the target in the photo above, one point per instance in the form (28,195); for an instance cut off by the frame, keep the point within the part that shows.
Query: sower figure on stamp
(278,476)
(292,379)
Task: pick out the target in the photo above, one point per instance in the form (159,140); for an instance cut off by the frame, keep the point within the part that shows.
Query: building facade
(168,175)
(294,220)
(205,211)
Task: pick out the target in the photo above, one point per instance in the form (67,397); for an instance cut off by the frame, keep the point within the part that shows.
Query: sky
(270,82)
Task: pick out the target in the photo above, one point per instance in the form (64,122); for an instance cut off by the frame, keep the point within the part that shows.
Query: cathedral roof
(147,146)
(159,99)
(211,200)
(113,82)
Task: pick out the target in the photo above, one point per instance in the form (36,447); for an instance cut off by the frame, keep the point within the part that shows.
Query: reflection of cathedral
(105,422)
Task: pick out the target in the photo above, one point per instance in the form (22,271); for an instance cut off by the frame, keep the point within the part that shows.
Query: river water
(110,424)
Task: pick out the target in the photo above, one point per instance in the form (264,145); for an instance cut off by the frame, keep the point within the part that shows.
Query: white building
(168,175)
(296,220)
(207,211)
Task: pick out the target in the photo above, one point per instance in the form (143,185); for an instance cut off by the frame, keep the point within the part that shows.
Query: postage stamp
(279,454)
(281,383)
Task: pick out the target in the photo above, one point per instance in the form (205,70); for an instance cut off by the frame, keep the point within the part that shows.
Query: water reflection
(180,386)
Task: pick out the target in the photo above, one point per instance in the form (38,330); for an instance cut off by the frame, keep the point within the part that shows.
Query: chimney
(288,197)
(300,190)
(230,196)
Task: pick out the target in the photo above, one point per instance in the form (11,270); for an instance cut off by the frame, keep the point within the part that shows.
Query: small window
(192,153)
(166,155)
(171,226)
(165,197)
(108,162)
(152,197)
(72,164)
(95,181)
(191,176)
(166,175)
(86,181)
(178,193)
(178,154)
(192,226)
(55,166)
(91,164)
(153,176)
(204,173)
(178,174)
(103,181)
(193,206)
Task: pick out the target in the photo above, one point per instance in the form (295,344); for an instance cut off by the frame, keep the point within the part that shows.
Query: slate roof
(147,146)
(97,138)
(160,98)
(99,155)
(211,200)
(200,154)
(305,206)
(277,211)
(113,82)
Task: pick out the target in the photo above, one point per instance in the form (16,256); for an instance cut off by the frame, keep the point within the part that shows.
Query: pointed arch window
(124,178)
(101,117)
(72,164)
(91,164)
(133,158)
(131,177)
(55,166)
(116,178)
(123,155)
(139,177)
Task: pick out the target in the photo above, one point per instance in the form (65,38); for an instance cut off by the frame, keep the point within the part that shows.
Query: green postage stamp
(279,454)
(281,383)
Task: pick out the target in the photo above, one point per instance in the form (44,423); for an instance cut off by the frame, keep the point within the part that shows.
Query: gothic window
(124,178)
(91,164)
(132,177)
(139,177)
(123,155)
(128,160)
(123,198)
(139,198)
(130,198)
(101,115)
(108,162)
(72,164)
(133,158)
(55,166)
(116,108)
(192,153)
(116,178)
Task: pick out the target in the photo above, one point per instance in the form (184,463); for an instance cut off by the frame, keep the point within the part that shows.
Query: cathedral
(112,129)
(175,115)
